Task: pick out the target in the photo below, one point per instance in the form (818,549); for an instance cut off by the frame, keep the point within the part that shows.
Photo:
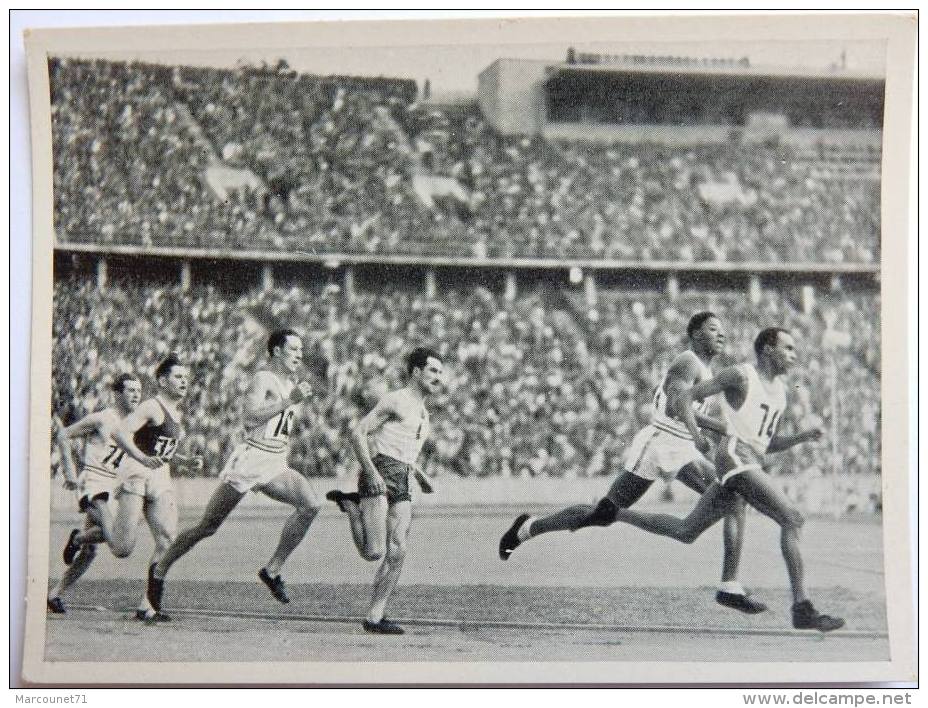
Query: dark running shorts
(395,475)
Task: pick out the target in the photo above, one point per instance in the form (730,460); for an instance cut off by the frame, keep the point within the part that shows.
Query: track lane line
(499,624)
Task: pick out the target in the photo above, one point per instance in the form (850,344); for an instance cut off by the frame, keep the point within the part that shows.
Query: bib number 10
(773,421)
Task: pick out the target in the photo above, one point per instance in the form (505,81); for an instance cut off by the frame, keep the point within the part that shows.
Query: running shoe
(151,616)
(805,616)
(155,589)
(339,497)
(384,626)
(510,540)
(742,603)
(56,606)
(71,548)
(275,585)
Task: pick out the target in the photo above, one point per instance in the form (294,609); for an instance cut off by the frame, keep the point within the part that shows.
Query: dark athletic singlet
(159,440)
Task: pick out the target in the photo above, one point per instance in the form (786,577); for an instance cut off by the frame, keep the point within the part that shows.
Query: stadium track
(595,595)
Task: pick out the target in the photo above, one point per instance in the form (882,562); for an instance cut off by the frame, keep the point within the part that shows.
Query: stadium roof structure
(648,64)
(337,260)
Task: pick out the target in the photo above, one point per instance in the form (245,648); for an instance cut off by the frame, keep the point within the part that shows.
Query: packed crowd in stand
(337,158)
(340,165)
(588,374)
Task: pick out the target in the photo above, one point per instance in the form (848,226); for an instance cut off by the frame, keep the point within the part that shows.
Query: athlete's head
(286,347)
(128,390)
(776,346)
(424,367)
(172,376)
(706,334)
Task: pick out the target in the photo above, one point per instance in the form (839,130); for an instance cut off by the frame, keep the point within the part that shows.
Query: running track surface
(636,597)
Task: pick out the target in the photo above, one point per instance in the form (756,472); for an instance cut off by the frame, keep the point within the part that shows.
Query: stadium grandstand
(553,235)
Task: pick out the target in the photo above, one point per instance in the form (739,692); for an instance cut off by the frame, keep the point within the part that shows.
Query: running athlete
(664,446)
(259,464)
(149,435)
(753,401)
(99,479)
(387,442)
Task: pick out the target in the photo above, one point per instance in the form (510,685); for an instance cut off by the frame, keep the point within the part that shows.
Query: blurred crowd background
(541,384)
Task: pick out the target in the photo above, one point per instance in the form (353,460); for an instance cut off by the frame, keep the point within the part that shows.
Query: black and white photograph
(545,350)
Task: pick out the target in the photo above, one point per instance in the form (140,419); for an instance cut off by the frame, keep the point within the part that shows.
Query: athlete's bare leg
(733,538)
(291,488)
(399,518)
(759,490)
(161,515)
(568,519)
(224,499)
(698,475)
(101,528)
(624,492)
(711,507)
(356,524)
(125,524)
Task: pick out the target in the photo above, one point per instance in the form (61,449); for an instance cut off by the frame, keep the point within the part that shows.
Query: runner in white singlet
(663,447)
(102,465)
(259,464)
(387,442)
(754,399)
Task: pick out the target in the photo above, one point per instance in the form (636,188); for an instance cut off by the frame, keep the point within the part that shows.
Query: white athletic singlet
(101,453)
(274,435)
(756,420)
(403,439)
(660,417)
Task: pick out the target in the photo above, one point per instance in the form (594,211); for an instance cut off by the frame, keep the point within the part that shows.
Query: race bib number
(278,427)
(114,457)
(165,447)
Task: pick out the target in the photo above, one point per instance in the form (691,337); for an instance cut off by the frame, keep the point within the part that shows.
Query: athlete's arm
(727,380)
(682,375)
(147,412)
(87,425)
(258,410)
(193,462)
(779,443)
(384,410)
(423,481)
(64,451)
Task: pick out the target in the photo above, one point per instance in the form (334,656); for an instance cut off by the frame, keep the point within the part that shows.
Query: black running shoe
(151,616)
(805,616)
(56,606)
(384,626)
(742,603)
(510,540)
(71,548)
(155,589)
(339,497)
(275,585)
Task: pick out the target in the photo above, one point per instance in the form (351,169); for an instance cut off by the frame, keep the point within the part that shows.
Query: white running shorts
(654,451)
(251,467)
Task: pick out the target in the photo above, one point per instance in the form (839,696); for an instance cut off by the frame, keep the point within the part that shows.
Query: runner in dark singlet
(151,435)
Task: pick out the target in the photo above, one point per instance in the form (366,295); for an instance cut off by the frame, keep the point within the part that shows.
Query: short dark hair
(418,357)
(169,362)
(119,384)
(697,321)
(278,338)
(767,338)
